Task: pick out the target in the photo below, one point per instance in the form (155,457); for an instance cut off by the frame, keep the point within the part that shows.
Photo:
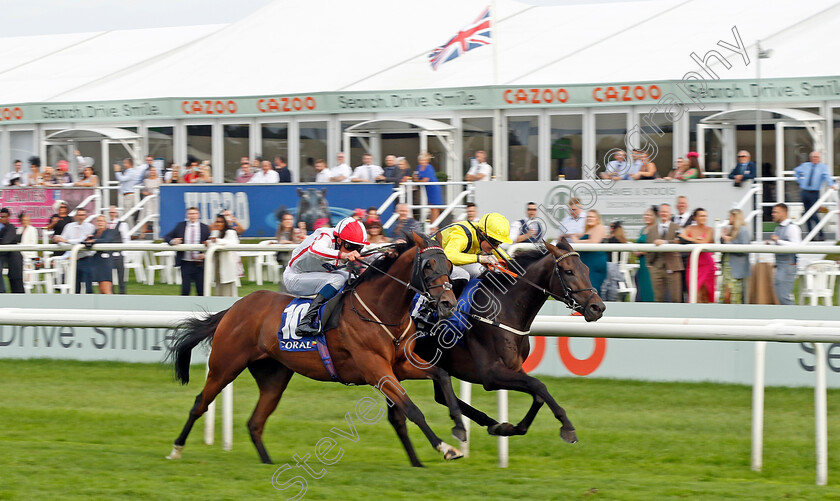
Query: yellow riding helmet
(495,226)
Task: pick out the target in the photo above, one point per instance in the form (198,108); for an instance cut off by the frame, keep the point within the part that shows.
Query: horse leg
(397,419)
(500,377)
(469,411)
(272,378)
(217,378)
(386,382)
(408,370)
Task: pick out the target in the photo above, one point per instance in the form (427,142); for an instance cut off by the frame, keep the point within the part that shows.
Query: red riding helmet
(350,230)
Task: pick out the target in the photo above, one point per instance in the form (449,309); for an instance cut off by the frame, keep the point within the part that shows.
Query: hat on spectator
(692,154)
(62,165)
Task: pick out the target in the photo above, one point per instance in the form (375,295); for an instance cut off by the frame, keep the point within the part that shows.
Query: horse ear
(418,240)
(323,192)
(552,249)
(300,192)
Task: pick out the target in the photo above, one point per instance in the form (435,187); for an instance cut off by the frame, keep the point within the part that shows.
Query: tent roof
(92,134)
(399,126)
(384,45)
(768,115)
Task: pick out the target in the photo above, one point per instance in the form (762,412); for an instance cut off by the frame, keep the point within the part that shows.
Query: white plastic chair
(33,277)
(820,277)
(628,271)
(268,261)
(156,262)
(135,260)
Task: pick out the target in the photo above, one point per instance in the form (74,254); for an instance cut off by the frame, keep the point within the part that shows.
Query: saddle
(328,316)
(428,323)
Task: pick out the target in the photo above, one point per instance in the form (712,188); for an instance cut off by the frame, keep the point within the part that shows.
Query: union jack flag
(470,37)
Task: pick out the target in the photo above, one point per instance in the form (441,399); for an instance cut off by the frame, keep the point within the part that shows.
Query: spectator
(398,172)
(101,262)
(368,172)
(736,265)
(151,186)
(480,170)
(225,266)
(342,172)
(63,175)
(471,213)
(786,233)
(744,169)
(287,233)
(28,235)
(617,168)
(699,233)
(572,226)
(190,231)
(234,223)
(148,165)
(192,171)
(811,176)
(647,169)
(174,174)
(128,177)
(59,220)
(425,173)
(531,229)
(374,229)
(205,174)
(301,231)
(48,178)
(34,178)
(372,212)
(593,232)
(693,171)
(284,175)
(615,235)
(117,259)
(683,217)
(266,175)
(643,282)
(16,173)
(665,267)
(323,173)
(76,233)
(245,175)
(308,172)
(11,260)
(404,225)
(680,166)
(89,179)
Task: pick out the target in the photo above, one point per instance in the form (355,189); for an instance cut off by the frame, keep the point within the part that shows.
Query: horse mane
(529,257)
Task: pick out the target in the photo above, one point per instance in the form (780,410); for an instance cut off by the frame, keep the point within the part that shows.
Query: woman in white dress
(224,262)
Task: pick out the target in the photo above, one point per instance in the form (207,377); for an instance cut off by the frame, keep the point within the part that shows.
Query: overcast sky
(41,17)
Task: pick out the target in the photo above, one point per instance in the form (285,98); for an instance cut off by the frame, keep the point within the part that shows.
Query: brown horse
(364,350)
(492,354)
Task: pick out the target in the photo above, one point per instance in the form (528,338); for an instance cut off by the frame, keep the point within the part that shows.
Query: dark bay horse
(492,355)
(363,350)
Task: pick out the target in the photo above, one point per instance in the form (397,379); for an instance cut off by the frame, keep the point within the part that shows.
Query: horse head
(570,283)
(312,205)
(430,274)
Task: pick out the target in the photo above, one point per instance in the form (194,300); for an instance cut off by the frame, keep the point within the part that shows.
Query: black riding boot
(305,328)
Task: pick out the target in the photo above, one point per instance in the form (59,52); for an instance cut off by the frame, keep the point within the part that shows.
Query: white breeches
(309,283)
(467,271)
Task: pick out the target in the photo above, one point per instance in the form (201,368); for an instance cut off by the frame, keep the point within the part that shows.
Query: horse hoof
(501,430)
(176,452)
(452,454)
(459,433)
(568,435)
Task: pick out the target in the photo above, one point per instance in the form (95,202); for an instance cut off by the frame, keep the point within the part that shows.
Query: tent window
(275,141)
(566,145)
(652,125)
(610,134)
(478,135)
(199,143)
(313,145)
(161,143)
(236,146)
(523,134)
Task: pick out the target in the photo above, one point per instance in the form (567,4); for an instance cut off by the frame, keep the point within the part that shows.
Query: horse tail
(188,335)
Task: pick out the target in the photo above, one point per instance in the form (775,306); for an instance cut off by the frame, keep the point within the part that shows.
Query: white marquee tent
(292,46)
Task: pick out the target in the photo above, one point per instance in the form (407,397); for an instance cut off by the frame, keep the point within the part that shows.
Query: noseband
(567,291)
(421,282)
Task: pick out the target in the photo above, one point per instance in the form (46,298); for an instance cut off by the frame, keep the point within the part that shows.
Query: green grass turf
(98,430)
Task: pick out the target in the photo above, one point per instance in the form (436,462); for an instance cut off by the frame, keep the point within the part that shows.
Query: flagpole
(495,40)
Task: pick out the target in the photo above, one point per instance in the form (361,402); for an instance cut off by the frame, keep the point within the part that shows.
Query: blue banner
(257,206)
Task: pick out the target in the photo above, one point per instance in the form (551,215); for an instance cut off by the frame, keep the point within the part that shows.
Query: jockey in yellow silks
(471,245)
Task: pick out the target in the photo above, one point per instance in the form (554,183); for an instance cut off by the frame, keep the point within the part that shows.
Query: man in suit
(117,259)
(744,170)
(12,260)
(665,267)
(190,231)
(811,176)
